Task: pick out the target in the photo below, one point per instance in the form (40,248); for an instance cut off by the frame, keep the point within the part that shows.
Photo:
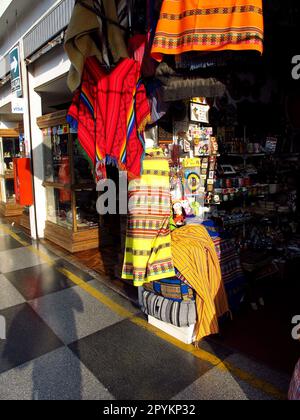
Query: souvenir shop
(198,107)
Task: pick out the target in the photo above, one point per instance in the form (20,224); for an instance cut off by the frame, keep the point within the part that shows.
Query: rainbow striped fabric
(111,111)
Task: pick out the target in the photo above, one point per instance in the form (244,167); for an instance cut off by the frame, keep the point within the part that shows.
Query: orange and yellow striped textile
(206,25)
(195,257)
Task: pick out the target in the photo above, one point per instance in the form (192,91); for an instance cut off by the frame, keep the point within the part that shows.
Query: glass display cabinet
(72,219)
(9,149)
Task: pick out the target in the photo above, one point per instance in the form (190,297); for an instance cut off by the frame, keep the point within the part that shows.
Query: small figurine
(178,214)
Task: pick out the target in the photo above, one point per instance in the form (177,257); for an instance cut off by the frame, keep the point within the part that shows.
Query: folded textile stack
(170,301)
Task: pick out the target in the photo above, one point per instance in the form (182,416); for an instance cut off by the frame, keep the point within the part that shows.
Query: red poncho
(110,111)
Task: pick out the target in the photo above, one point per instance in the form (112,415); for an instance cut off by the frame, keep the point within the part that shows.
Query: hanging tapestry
(194,25)
(148,242)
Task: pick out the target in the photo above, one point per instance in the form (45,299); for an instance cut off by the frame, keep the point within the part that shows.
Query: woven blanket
(203,25)
(148,242)
(195,257)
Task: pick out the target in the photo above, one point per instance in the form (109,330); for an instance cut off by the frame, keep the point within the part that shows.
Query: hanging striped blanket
(232,273)
(148,242)
(203,25)
(194,255)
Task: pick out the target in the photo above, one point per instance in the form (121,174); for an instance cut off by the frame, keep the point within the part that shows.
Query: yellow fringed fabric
(195,257)
(205,25)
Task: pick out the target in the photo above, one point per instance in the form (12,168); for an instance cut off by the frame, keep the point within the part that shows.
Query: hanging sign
(199,112)
(15,71)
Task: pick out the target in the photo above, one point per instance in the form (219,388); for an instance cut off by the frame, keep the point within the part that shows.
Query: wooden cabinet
(9,150)
(72,219)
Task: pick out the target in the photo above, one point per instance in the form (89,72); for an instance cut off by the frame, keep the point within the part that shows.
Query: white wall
(5,95)
(51,66)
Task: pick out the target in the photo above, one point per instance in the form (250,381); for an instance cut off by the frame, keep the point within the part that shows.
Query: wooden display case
(9,149)
(72,219)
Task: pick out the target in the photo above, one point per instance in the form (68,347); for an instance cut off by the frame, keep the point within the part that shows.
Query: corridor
(66,336)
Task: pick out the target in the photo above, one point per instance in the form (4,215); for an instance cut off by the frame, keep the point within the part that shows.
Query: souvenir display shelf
(72,219)
(9,149)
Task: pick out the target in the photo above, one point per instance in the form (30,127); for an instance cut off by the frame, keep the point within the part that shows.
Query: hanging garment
(139,45)
(194,25)
(158,106)
(88,36)
(110,112)
(195,258)
(64,177)
(148,241)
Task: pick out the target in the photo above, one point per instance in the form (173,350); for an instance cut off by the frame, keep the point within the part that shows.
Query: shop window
(72,218)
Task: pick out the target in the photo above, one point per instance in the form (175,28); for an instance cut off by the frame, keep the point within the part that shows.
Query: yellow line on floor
(201,354)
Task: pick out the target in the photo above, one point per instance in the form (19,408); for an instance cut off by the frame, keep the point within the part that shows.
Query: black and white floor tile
(63,344)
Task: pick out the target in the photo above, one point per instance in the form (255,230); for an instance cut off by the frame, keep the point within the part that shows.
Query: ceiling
(55,94)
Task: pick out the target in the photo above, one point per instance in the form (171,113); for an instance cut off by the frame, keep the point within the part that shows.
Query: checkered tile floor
(62,343)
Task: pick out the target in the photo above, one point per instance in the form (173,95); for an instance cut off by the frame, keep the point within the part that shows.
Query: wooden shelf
(10,132)
(51,120)
(7,176)
(82,240)
(11,209)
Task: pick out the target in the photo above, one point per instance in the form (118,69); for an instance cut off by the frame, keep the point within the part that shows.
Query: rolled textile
(180,314)
(172,288)
(194,25)
(148,241)
(195,257)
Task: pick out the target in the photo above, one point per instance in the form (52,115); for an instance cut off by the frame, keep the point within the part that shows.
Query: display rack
(72,219)
(9,149)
